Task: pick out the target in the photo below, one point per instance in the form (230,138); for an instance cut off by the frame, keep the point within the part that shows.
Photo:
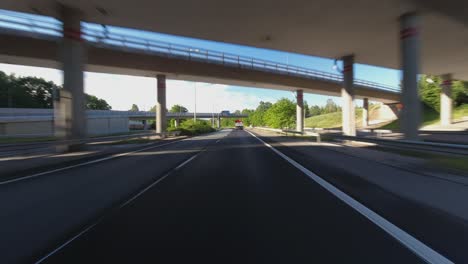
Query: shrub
(191,128)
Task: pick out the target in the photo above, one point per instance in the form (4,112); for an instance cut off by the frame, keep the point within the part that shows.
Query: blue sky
(246,97)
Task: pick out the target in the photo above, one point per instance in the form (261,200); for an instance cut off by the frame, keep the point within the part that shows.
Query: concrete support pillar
(219,122)
(69,104)
(347,96)
(365,112)
(176,122)
(446,103)
(410,117)
(300,111)
(161,122)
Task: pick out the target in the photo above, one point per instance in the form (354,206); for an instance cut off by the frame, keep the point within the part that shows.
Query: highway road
(226,197)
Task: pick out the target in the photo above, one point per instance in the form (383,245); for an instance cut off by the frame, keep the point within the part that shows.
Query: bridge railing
(100,36)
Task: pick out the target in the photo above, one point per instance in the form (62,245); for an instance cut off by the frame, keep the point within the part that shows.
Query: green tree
(135,108)
(281,114)
(5,98)
(94,103)
(257,118)
(306,109)
(247,120)
(33,92)
(460,92)
(177,109)
(330,107)
(430,91)
(227,122)
(315,110)
(26,92)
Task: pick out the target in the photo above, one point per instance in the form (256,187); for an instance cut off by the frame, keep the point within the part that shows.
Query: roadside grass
(460,163)
(461,112)
(439,160)
(431,117)
(8,140)
(133,141)
(330,120)
(131,132)
(12,140)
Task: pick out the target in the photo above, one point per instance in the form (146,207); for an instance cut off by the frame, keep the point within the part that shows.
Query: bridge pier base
(161,121)
(365,112)
(347,96)
(69,102)
(410,117)
(219,122)
(446,103)
(300,111)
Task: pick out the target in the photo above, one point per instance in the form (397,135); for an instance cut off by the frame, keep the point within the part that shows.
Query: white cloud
(210,97)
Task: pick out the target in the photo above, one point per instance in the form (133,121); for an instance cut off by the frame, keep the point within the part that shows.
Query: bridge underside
(358,31)
(16,49)
(326,28)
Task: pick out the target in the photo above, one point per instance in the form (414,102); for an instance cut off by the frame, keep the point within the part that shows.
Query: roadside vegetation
(11,140)
(282,114)
(33,92)
(431,117)
(331,120)
(455,163)
(191,128)
(430,97)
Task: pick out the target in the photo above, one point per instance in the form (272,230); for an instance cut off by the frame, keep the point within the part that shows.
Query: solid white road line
(86,163)
(419,248)
(120,207)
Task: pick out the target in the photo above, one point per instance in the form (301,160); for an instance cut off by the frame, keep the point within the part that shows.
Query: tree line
(430,88)
(33,92)
(282,113)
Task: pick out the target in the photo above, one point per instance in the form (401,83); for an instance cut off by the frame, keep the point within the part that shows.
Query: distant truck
(225,113)
(239,125)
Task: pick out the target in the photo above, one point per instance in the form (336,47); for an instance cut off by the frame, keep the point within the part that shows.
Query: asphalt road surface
(237,202)
(222,198)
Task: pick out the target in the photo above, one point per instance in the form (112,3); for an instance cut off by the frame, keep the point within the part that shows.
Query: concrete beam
(410,118)
(161,121)
(300,111)
(347,96)
(446,102)
(69,104)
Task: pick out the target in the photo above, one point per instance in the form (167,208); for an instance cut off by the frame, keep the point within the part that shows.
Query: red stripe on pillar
(348,68)
(71,33)
(409,32)
(161,80)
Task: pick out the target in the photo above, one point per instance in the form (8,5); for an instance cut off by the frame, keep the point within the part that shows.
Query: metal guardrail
(446,148)
(103,37)
(34,147)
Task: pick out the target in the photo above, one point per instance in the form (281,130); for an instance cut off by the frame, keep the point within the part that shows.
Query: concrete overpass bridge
(124,54)
(32,114)
(40,122)
(110,52)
